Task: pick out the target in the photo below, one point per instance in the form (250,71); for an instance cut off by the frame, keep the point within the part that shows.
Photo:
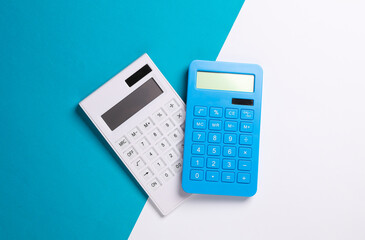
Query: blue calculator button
(245,139)
(246,127)
(214,137)
(215,125)
(214,150)
(231,113)
(197,162)
(244,165)
(212,176)
(244,152)
(229,164)
(198,136)
(196,175)
(230,126)
(243,178)
(230,138)
(200,111)
(228,177)
(216,112)
(197,149)
(212,162)
(200,124)
(246,114)
(229,151)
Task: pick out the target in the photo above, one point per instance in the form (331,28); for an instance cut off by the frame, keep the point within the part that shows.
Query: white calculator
(142,118)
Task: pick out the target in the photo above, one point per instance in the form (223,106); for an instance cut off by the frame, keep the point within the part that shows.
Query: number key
(197,162)
(167,126)
(163,145)
(158,165)
(166,175)
(229,164)
(176,136)
(198,136)
(196,175)
(212,162)
(214,150)
(229,151)
(197,149)
(214,137)
(230,138)
(143,143)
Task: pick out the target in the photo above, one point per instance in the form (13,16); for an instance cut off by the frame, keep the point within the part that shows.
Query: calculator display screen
(131,104)
(225,81)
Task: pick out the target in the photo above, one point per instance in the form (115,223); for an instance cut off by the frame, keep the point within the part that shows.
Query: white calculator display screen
(225,81)
(131,104)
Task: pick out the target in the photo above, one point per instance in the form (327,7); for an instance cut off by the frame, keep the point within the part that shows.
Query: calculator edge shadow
(102,140)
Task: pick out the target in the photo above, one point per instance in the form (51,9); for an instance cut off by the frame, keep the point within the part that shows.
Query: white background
(312,153)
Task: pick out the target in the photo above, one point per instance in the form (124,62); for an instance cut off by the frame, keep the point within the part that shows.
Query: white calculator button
(146,125)
(167,126)
(155,135)
(171,106)
(158,116)
(143,143)
(138,164)
(177,166)
(166,175)
(182,126)
(158,165)
(176,136)
(123,142)
(171,155)
(163,145)
(150,154)
(180,147)
(155,184)
(134,134)
(179,116)
(130,153)
(147,174)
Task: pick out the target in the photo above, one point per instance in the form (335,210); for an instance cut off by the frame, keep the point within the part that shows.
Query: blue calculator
(222,128)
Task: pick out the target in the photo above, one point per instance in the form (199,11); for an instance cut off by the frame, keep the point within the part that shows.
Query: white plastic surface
(312,152)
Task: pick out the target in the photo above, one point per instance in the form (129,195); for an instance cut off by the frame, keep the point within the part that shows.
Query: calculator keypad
(154,146)
(221,147)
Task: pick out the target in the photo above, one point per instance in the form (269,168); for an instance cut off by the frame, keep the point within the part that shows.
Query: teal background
(58,177)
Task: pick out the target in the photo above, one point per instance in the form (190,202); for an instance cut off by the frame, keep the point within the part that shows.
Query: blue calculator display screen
(225,81)
(222,128)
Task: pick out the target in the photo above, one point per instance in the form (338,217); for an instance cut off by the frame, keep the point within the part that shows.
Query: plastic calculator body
(142,118)
(222,131)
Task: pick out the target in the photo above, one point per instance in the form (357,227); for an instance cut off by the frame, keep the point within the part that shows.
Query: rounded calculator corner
(193,64)
(252,193)
(185,188)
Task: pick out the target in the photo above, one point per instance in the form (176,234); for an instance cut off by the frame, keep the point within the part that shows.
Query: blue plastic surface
(234,158)
(58,178)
